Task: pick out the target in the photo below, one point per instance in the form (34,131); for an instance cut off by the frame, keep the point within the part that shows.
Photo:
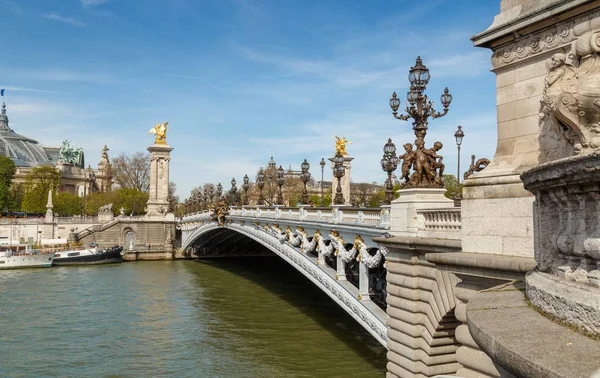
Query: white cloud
(65,20)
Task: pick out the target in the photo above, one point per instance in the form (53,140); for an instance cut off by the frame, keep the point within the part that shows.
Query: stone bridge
(334,248)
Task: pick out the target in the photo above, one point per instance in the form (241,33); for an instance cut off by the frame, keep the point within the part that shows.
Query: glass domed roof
(25,152)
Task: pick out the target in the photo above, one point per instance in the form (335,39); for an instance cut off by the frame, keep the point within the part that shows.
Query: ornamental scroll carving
(571,98)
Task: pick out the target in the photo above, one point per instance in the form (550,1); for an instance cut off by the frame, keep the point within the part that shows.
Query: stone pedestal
(158,204)
(345,180)
(403,212)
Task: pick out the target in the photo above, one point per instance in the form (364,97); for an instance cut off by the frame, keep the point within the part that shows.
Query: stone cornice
(548,39)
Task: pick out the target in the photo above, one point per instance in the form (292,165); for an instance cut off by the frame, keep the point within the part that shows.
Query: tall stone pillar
(160,156)
(345,180)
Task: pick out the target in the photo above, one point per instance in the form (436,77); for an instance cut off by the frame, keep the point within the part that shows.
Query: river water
(247,317)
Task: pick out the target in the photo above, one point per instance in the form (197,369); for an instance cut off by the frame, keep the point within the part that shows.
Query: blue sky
(239,80)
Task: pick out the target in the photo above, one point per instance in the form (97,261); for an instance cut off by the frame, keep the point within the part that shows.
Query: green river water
(247,317)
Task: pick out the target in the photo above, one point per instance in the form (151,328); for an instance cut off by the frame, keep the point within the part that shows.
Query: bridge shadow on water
(287,284)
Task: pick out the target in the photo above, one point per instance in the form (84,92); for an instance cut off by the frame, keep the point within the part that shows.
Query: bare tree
(132,171)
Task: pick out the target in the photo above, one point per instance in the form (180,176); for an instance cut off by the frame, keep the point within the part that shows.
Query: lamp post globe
(280,182)
(338,172)
(389,163)
(233,191)
(260,181)
(305,177)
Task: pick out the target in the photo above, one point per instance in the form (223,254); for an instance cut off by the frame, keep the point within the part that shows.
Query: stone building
(28,153)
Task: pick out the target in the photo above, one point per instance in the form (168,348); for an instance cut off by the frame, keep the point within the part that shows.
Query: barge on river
(90,255)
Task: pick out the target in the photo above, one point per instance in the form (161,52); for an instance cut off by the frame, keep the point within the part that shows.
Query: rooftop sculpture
(160,132)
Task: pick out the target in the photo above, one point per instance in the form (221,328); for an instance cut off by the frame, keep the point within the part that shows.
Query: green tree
(451,185)
(132,200)
(67,204)
(93,201)
(17,192)
(37,184)
(7,173)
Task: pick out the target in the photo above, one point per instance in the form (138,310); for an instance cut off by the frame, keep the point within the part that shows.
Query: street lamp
(458,135)
(322,163)
(219,191)
(233,191)
(338,171)
(389,163)
(211,192)
(420,108)
(305,177)
(206,197)
(246,186)
(260,181)
(280,182)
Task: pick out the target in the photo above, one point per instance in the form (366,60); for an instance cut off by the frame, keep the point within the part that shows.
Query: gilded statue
(340,145)
(160,132)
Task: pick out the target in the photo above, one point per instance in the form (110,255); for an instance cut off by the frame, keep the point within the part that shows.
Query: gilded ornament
(160,132)
(340,145)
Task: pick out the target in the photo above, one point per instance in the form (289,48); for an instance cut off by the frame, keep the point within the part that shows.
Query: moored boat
(89,255)
(23,256)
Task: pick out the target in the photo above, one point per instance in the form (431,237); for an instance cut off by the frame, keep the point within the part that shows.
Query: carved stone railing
(376,218)
(444,223)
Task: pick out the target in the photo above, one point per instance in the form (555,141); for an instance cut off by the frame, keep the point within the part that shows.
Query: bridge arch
(366,313)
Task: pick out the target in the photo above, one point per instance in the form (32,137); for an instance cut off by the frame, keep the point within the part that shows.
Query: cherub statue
(435,163)
(160,131)
(407,161)
(340,145)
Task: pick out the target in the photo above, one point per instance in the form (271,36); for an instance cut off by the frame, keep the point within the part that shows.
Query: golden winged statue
(160,131)
(340,145)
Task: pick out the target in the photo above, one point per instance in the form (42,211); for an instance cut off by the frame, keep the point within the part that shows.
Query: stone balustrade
(376,218)
(445,223)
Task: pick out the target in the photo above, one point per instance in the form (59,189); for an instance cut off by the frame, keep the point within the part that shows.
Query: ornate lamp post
(458,135)
(389,163)
(246,186)
(322,163)
(206,197)
(260,181)
(187,206)
(233,191)
(338,171)
(280,182)
(305,177)
(219,191)
(211,193)
(420,108)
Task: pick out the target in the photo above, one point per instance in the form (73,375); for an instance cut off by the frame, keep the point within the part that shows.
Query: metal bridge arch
(365,313)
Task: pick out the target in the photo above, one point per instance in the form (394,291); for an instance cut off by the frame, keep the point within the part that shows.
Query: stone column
(160,156)
(403,212)
(48,228)
(345,180)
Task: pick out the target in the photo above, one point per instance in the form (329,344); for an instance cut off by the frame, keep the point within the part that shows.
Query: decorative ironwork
(260,181)
(305,177)
(426,163)
(219,190)
(280,182)
(389,163)
(338,172)
(476,166)
(233,192)
(246,186)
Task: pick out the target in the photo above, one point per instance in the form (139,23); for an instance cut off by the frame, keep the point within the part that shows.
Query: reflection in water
(249,317)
